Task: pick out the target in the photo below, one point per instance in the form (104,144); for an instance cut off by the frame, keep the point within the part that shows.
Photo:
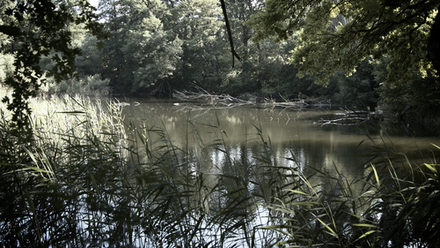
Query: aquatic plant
(393,206)
(86,178)
(89,178)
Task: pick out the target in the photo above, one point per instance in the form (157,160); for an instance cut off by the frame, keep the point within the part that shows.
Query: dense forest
(152,48)
(92,156)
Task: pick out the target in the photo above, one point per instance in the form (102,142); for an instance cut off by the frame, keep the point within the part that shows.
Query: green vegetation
(336,36)
(74,173)
(400,38)
(397,206)
(86,179)
(31,31)
(89,179)
(367,53)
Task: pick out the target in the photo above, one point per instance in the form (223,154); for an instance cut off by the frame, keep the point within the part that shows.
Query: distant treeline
(155,47)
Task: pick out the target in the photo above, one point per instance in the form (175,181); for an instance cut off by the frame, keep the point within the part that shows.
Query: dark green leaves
(40,28)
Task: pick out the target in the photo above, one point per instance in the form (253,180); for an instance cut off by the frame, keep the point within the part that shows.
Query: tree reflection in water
(130,186)
(167,196)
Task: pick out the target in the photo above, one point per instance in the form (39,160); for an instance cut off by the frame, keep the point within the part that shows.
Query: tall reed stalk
(88,178)
(396,206)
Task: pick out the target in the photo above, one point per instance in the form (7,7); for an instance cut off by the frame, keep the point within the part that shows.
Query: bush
(92,85)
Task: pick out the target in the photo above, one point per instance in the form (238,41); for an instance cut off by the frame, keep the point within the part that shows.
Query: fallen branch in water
(343,121)
(349,118)
(203,97)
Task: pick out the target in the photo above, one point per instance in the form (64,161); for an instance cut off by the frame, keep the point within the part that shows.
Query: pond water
(297,133)
(244,157)
(186,175)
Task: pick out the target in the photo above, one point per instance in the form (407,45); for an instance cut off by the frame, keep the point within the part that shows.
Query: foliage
(395,207)
(89,62)
(336,36)
(33,30)
(204,47)
(413,105)
(156,47)
(141,52)
(87,86)
(88,178)
(6,66)
(360,90)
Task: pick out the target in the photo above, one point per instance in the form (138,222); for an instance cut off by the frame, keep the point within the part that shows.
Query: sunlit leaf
(332,232)
(297,192)
(431,167)
(366,234)
(365,225)
(376,175)
(37,169)
(436,146)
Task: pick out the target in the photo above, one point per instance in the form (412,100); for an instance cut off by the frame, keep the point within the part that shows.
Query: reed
(396,206)
(89,178)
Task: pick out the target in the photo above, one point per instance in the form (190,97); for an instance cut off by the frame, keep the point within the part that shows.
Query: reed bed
(87,178)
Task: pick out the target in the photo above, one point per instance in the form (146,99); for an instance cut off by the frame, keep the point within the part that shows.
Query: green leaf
(365,225)
(431,167)
(376,175)
(365,234)
(297,192)
(37,169)
(302,203)
(332,232)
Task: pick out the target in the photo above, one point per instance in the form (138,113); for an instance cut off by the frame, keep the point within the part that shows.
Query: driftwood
(349,118)
(205,98)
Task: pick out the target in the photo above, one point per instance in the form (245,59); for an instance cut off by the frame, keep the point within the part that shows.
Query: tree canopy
(334,36)
(35,29)
(366,52)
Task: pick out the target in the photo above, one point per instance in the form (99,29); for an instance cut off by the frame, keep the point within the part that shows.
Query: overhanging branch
(228,29)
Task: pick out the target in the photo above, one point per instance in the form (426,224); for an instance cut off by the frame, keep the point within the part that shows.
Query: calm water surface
(195,176)
(294,134)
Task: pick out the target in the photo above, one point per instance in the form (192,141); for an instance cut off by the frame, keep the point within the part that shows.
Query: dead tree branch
(228,29)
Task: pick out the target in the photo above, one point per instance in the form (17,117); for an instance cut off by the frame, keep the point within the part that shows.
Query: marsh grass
(89,178)
(86,178)
(396,206)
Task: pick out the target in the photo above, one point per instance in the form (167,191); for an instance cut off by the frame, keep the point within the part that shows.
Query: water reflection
(239,123)
(249,152)
(188,178)
(292,135)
